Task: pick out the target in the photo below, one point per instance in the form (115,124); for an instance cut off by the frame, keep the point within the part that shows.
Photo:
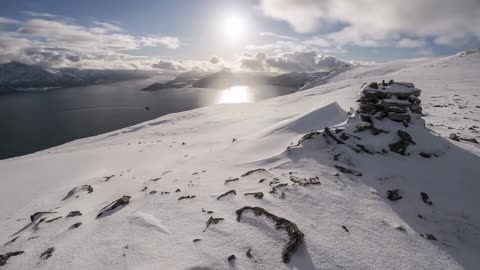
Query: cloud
(276,36)
(168,65)
(39,14)
(379,23)
(57,43)
(306,61)
(214,60)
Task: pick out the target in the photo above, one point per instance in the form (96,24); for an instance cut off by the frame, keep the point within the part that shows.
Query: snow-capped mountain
(346,175)
(17,76)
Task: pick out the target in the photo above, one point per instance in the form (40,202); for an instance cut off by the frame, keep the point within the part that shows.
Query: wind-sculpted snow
(305,157)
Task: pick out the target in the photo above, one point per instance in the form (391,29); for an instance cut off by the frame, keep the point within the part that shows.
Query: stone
(425,155)
(398,117)
(430,236)
(76,225)
(258,195)
(11,241)
(399,147)
(75,190)
(454,137)
(471,140)
(254,171)
(294,234)
(305,181)
(231,180)
(425,198)
(373,85)
(4,257)
(330,134)
(231,258)
(74,214)
(47,253)
(345,228)
(186,197)
(196,240)
(121,202)
(212,221)
(349,171)
(249,253)
(393,195)
(230,192)
(405,136)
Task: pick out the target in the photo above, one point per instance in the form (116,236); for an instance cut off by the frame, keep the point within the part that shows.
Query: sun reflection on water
(235,94)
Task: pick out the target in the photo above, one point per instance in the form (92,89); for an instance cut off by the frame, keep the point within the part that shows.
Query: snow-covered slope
(175,168)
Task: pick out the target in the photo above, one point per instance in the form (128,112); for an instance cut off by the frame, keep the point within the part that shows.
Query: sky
(251,35)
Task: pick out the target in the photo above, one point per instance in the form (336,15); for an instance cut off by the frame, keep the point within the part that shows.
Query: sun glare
(234,94)
(234,27)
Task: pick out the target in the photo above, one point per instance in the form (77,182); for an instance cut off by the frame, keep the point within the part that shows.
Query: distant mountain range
(226,78)
(17,77)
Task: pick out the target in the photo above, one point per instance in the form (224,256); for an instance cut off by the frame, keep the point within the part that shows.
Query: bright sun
(234,27)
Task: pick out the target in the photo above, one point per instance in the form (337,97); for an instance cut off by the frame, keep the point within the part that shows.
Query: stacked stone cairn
(395,101)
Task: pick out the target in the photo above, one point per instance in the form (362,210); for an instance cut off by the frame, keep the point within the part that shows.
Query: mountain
(295,79)
(17,76)
(294,182)
(227,78)
(185,79)
(323,78)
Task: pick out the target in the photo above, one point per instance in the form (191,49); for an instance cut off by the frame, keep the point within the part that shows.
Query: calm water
(34,121)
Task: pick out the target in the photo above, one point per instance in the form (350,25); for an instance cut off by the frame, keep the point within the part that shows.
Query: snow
(196,151)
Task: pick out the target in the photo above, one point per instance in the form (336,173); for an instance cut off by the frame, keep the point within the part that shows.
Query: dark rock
(196,240)
(425,198)
(393,195)
(262,180)
(11,241)
(430,237)
(249,253)
(329,134)
(405,136)
(398,117)
(76,225)
(454,137)
(231,258)
(4,257)
(399,147)
(143,189)
(106,178)
(336,157)
(344,136)
(294,234)
(33,237)
(364,149)
(258,195)
(186,197)
(231,180)
(154,179)
(178,190)
(308,136)
(75,190)
(373,85)
(53,219)
(47,253)
(425,155)
(363,126)
(253,171)
(123,201)
(471,140)
(74,214)
(405,123)
(345,228)
(304,181)
(212,221)
(420,216)
(152,192)
(230,192)
(37,215)
(349,171)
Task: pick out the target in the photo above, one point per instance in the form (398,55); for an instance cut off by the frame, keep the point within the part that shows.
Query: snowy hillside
(265,185)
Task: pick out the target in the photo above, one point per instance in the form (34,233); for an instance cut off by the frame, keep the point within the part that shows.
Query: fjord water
(33,121)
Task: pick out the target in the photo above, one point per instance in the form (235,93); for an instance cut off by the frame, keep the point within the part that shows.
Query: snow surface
(196,151)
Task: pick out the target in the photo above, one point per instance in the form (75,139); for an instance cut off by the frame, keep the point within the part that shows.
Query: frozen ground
(347,220)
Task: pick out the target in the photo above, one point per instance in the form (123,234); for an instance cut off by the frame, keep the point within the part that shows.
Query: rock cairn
(396,101)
